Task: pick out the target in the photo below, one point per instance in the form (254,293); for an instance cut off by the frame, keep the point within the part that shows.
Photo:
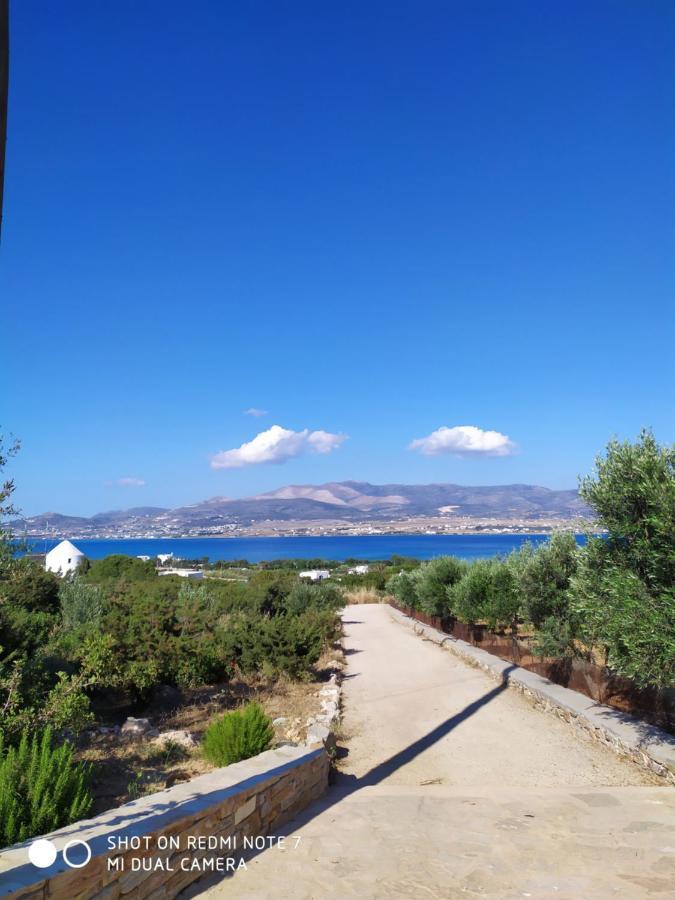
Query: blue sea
(257,549)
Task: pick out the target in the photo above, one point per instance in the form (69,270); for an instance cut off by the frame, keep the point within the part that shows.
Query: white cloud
(324,441)
(128,481)
(255,412)
(276,445)
(464,440)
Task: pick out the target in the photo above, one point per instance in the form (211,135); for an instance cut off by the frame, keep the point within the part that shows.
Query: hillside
(348,501)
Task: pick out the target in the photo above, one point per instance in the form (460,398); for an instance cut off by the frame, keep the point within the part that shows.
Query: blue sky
(370,219)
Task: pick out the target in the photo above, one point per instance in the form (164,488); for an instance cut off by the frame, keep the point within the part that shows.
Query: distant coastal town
(412,526)
(348,508)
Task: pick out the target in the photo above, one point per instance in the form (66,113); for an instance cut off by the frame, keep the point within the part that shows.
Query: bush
(28,585)
(313,596)
(544,579)
(487,593)
(29,603)
(432,582)
(554,638)
(41,788)
(120,566)
(238,735)
(82,604)
(269,590)
(402,587)
(467,598)
(289,644)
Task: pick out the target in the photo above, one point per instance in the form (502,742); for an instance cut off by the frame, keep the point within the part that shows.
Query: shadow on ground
(344,785)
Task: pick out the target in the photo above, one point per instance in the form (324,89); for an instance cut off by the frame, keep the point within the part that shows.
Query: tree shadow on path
(346,784)
(350,783)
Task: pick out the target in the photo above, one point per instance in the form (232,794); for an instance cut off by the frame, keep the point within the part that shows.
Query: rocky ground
(160,746)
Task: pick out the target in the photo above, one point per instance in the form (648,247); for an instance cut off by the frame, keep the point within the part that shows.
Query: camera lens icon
(76,853)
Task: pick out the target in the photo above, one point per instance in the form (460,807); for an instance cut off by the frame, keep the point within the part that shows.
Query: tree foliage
(433,580)
(544,579)
(83,605)
(119,566)
(623,592)
(487,593)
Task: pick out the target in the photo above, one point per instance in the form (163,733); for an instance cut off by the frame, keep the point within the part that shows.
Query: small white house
(315,574)
(359,570)
(164,558)
(192,574)
(64,559)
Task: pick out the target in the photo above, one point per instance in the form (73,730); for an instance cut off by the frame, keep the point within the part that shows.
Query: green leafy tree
(623,592)
(432,582)
(544,582)
(487,593)
(119,566)
(403,587)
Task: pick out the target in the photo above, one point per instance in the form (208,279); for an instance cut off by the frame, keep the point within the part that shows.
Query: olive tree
(487,593)
(623,591)
(402,587)
(432,582)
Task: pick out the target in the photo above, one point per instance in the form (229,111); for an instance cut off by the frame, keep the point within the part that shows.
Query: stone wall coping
(620,730)
(153,813)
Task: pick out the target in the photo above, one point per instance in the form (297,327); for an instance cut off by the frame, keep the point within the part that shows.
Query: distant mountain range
(346,501)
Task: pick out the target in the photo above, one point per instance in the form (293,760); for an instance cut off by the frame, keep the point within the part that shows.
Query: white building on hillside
(315,574)
(359,570)
(64,559)
(183,573)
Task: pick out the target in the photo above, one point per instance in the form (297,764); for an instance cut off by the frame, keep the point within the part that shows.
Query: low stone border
(322,729)
(245,800)
(626,735)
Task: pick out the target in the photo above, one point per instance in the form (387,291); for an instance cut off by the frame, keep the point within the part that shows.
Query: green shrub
(544,579)
(554,638)
(313,596)
(41,788)
(468,597)
(120,566)
(432,582)
(82,604)
(238,735)
(402,588)
(289,644)
(487,593)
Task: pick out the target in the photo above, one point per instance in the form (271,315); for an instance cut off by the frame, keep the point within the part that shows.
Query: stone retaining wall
(244,800)
(645,744)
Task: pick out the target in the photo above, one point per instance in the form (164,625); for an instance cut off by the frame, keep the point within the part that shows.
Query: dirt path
(454,787)
(403,689)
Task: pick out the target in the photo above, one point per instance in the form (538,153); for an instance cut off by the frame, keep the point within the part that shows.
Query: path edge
(629,737)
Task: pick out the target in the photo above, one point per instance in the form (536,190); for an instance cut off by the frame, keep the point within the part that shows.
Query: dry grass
(364,595)
(123,771)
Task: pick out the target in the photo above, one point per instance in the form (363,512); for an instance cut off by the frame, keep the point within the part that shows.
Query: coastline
(369,548)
